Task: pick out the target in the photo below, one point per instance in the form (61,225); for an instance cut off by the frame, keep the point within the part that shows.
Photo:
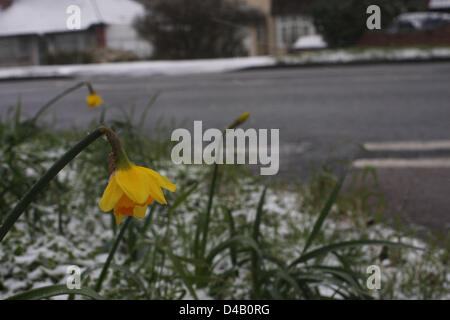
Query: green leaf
(345,275)
(183,274)
(256,262)
(323,214)
(259,212)
(347,244)
(182,197)
(56,290)
(244,240)
(231,224)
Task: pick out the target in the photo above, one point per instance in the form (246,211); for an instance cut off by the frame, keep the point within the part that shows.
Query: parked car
(407,22)
(309,42)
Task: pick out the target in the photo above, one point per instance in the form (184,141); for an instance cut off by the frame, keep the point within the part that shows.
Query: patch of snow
(314,41)
(137,69)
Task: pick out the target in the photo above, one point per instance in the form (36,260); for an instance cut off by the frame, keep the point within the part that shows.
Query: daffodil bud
(240,120)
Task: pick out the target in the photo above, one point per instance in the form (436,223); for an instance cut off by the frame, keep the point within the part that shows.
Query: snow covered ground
(141,68)
(184,67)
(366,56)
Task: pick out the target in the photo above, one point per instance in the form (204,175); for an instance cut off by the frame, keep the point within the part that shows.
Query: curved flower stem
(46,178)
(102,276)
(59,96)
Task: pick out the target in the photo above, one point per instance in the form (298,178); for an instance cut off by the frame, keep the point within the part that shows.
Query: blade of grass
(256,263)
(347,244)
(243,240)
(231,224)
(184,277)
(52,291)
(203,225)
(323,214)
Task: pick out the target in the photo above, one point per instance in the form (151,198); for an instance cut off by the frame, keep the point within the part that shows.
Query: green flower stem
(46,178)
(59,96)
(204,222)
(212,190)
(102,276)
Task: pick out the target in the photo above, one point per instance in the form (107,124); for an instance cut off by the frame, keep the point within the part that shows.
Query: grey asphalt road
(323,113)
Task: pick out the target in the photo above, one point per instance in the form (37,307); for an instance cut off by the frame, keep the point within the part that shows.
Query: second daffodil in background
(132,188)
(93,99)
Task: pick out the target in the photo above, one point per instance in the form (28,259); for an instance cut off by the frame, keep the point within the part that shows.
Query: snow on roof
(48,16)
(439,4)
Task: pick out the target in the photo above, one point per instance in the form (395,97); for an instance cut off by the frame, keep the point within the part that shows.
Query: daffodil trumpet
(131,188)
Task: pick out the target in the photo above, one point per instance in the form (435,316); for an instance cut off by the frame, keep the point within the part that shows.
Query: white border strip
(408,145)
(402,163)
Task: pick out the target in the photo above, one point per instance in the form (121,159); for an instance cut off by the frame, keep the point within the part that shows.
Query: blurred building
(285,22)
(412,29)
(31,31)
(439,5)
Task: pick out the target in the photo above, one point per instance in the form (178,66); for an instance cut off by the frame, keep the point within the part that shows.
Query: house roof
(50,16)
(439,4)
(289,7)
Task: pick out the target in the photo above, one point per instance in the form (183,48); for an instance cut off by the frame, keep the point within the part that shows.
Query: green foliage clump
(343,22)
(194,29)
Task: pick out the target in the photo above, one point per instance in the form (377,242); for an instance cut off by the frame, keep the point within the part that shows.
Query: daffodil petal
(163,181)
(157,194)
(154,185)
(139,212)
(111,196)
(134,184)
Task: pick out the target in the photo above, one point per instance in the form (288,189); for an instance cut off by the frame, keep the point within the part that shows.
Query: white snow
(49,16)
(367,55)
(185,67)
(141,68)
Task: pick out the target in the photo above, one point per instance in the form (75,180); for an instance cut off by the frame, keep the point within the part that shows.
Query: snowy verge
(185,67)
(138,69)
(366,55)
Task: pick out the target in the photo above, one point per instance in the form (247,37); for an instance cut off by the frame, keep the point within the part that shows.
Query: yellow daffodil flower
(132,188)
(94,100)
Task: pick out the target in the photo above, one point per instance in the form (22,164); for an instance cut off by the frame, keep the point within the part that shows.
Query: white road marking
(408,145)
(402,163)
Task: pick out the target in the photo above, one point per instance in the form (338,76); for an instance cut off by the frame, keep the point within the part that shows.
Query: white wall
(125,37)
